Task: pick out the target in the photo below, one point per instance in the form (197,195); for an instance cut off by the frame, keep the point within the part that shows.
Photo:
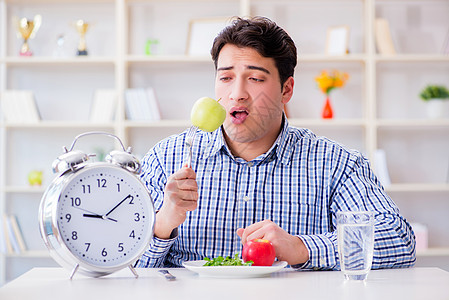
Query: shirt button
(250,164)
(246,198)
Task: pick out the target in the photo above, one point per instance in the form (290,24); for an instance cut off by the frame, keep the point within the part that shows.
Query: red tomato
(260,251)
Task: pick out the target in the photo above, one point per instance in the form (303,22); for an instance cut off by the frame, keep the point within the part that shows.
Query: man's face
(250,90)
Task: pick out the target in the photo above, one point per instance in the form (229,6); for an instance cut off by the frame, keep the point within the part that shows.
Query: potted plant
(433,96)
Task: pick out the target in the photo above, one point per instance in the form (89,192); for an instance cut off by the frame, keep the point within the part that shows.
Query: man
(258,177)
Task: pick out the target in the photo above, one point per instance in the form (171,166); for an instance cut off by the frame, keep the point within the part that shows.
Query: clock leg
(133,270)
(74,271)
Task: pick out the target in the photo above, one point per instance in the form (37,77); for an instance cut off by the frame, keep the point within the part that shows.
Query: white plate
(232,271)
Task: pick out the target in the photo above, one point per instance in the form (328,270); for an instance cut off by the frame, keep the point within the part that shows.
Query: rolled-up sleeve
(359,189)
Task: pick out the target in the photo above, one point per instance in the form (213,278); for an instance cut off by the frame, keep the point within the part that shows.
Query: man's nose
(239,91)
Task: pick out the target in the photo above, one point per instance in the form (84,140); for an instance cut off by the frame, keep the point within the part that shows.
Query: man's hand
(288,247)
(180,196)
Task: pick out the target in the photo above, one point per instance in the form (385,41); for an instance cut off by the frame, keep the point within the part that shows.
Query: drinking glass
(355,238)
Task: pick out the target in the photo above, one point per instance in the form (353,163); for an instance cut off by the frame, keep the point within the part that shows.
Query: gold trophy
(27,30)
(81,27)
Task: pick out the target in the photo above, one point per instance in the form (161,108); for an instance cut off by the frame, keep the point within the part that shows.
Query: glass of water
(355,238)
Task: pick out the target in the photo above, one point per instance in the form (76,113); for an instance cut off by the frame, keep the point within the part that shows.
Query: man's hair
(263,35)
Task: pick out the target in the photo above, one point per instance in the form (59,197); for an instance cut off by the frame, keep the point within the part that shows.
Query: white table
(53,283)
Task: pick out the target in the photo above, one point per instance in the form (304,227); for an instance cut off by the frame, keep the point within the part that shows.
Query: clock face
(105,216)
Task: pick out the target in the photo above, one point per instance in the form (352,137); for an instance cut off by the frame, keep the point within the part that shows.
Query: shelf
(36,60)
(11,61)
(292,121)
(418,187)
(167,59)
(433,252)
(57,1)
(408,58)
(25,189)
(175,123)
(359,58)
(58,124)
(158,124)
(327,122)
(30,254)
(412,124)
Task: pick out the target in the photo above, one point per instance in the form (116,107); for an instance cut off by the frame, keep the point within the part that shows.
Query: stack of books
(141,105)
(11,238)
(19,106)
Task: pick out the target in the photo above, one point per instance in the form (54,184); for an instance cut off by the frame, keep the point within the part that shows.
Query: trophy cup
(27,30)
(81,27)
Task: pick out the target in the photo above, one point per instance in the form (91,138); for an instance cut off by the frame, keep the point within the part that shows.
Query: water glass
(355,238)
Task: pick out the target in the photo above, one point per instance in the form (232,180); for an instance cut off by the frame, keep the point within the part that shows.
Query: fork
(190,137)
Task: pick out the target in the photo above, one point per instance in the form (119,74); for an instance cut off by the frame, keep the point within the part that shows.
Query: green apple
(207,114)
(35,177)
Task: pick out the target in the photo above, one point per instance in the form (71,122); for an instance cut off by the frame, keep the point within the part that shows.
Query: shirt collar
(215,144)
(283,148)
(280,148)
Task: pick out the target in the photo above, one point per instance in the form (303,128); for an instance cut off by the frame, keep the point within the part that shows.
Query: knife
(167,275)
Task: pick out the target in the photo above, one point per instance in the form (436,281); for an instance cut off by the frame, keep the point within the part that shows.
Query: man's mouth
(239,115)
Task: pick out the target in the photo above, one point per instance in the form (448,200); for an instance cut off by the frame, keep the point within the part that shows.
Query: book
(445,48)
(421,236)
(12,237)
(19,106)
(384,40)
(17,233)
(382,168)
(142,105)
(133,111)
(9,247)
(3,248)
(154,106)
(103,106)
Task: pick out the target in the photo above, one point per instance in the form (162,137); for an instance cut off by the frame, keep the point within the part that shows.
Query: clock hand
(93,215)
(117,205)
(80,208)
(98,217)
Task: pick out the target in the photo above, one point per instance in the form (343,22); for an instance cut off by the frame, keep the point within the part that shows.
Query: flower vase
(327,109)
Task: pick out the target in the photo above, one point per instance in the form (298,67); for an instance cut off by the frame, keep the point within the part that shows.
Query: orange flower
(329,81)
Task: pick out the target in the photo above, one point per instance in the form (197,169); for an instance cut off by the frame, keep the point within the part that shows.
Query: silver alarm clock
(96,217)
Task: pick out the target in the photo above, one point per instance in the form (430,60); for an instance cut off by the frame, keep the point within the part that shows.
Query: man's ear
(287,90)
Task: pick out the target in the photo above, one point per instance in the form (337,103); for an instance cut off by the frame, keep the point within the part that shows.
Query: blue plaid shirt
(299,184)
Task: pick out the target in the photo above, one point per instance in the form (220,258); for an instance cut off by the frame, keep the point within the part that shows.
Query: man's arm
(394,241)
(173,196)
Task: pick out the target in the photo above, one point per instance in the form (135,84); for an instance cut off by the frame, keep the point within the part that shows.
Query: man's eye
(225,78)
(256,79)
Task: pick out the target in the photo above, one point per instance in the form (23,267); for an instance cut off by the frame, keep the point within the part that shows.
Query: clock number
(137,219)
(88,246)
(132,235)
(104,253)
(101,183)
(118,187)
(68,217)
(120,247)
(74,235)
(131,201)
(86,188)
(76,201)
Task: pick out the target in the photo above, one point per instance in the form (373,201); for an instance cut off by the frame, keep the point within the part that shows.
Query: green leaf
(434,92)
(226,261)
